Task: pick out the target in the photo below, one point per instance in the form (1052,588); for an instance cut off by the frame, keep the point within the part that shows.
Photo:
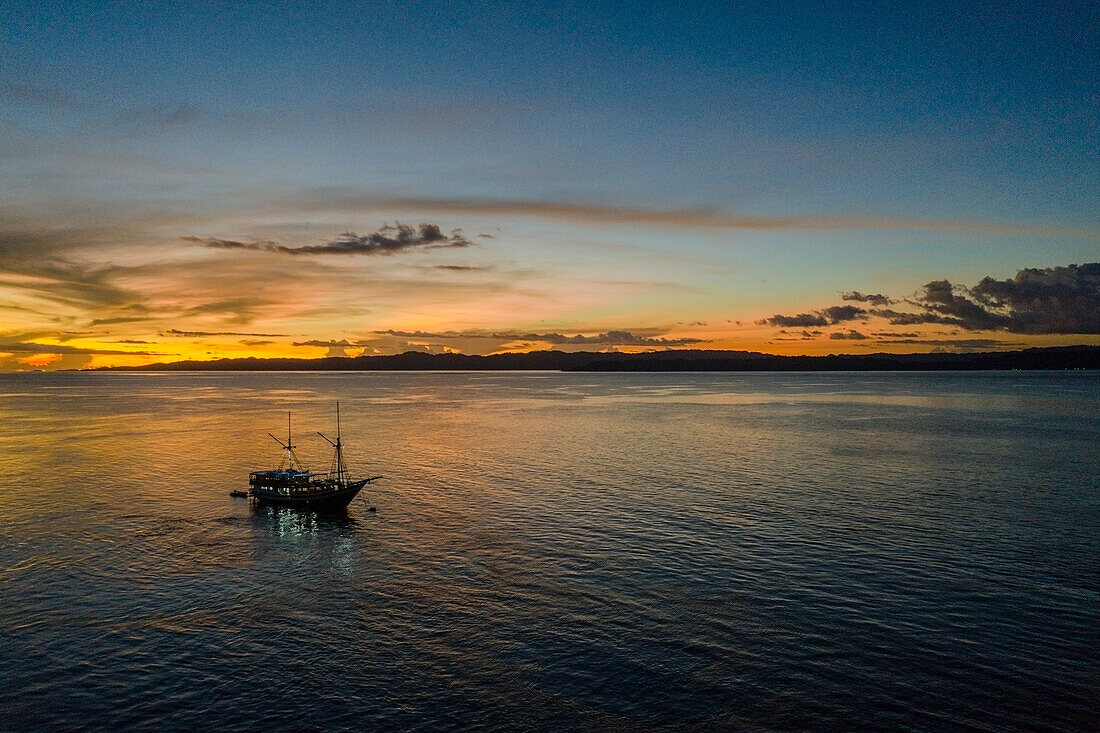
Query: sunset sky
(185,181)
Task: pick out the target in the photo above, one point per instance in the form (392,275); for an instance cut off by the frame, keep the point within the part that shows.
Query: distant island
(688,360)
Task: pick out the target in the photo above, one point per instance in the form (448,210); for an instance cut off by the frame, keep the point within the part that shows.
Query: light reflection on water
(755,551)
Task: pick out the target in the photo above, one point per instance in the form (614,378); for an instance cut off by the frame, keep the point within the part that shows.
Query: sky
(208,180)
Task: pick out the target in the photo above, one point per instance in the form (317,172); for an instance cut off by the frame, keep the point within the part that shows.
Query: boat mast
(337,469)
(290,461)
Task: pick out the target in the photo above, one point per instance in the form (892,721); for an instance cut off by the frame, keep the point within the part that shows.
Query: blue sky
(665,166)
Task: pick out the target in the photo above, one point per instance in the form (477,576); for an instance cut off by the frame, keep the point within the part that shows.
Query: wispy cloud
(35,94)
(33,262)
(958,344)
(608,338)
(234,310)
(30,347)
(172,332)
(388,240)
(56,98)
(336,199)
(116,320)
(169,115)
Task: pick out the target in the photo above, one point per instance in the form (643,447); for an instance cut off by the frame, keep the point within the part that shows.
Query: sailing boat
(292,485)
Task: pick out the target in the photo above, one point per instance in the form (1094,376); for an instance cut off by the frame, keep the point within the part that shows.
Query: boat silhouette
(292,485)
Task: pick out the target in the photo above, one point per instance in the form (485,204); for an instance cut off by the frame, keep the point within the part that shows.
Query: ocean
(554,551)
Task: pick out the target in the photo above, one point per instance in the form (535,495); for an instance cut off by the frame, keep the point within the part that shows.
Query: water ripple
(554,551)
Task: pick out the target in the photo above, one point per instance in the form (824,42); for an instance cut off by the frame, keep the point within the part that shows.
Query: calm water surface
(554,551)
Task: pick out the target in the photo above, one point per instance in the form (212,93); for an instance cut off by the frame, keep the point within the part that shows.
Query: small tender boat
(292,485)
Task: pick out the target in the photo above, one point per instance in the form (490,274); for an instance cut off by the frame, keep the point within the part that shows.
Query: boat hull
(322,499)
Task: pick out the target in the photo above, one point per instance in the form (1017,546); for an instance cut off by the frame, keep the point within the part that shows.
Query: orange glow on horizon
(40,360)
(92,354)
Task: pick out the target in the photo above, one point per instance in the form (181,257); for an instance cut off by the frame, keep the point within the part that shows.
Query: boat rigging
(292,485)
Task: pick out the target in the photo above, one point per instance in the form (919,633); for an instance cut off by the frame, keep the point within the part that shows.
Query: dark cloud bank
(1056,300)
(388,240)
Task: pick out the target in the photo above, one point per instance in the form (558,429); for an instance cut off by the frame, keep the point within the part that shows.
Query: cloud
(802,320)
(335,348)
(1052,300)
(940,298)
(171,115)
(118,319)
(337,199)
(824,317)
(235,310)
(875,299)
(44,361)
(342,343)
(388,240)
(963,344)
(1055,300)
(58,99)
(30,347)
(21,351)
(616,338)
(29,261)
(850,335)
(841,313)
(805,335)
(907,318)
(35,94)
(205,334)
